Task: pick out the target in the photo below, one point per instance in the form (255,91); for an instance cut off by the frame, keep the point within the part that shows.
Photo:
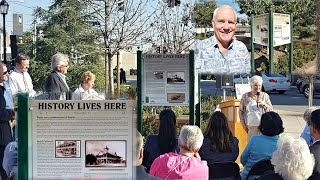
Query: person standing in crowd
(85,90)
(8,96)
(164,142)
(219,145)
(185,165)
(306,132)
(56,83)
(262,146)
(123,78)
(10,160)
(5,116)
(252,105)
(314,125)
(19,79)
(221,53)
(141,173)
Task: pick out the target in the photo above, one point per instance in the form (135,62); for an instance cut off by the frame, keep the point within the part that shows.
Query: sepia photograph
(175,78)
(176,97)
(67,149)
(108,153)
(158,75)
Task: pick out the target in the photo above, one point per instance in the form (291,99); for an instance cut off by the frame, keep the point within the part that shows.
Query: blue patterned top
(209,59)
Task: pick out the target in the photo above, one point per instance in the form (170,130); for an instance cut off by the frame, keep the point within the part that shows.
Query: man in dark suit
(5,116)
(314,124)
(56,85)
(141,173)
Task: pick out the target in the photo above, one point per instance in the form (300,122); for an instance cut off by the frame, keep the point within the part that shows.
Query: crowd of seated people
(192,154)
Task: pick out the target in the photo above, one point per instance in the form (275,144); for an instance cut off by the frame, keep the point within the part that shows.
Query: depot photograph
(106,153)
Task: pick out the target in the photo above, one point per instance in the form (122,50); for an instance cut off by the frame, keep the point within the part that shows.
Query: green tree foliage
(66,29)
(303,12)
(203,13)
(302,54)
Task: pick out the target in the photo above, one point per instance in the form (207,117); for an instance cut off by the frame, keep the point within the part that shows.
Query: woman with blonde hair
(85,90)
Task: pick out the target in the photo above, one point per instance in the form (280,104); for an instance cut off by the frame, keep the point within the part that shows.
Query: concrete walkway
(293,122)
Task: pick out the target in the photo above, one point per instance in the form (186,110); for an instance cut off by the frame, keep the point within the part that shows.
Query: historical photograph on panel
(176,97)
(109,153)
(158,75)
(175,78)
(67,149)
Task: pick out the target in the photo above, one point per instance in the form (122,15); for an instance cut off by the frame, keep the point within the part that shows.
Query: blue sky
(26,7)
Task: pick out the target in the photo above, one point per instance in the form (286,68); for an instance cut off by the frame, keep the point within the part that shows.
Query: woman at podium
(252,105)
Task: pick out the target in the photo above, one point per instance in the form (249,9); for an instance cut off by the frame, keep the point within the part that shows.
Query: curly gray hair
(293,159)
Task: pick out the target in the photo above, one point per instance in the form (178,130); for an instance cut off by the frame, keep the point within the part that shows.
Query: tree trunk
(111,84)
(106,74)
(310,98)
(318,32)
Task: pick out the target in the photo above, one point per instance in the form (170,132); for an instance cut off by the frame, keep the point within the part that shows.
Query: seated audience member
(262,146)
(85,90)
(314,125)
(10,159)
(141,173)
(219,145)
(292,160)
(306,132)
(185,165)
(164,142)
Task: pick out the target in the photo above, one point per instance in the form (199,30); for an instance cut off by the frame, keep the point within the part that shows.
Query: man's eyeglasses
(5,73)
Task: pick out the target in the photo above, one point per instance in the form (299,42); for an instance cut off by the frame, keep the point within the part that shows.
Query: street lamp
(4,7)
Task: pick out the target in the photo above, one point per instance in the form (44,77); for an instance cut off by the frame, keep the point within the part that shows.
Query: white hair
(222,7)
(138,143)
(292,159)
(191,138)
(58,60)
(307,113)
(256,79)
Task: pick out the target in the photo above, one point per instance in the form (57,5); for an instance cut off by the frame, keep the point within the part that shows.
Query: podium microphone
(258,93)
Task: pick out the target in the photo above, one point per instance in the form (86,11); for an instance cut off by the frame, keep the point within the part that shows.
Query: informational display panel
(81,139)
(261,29)
(165,79)
(281,29)
(241,89)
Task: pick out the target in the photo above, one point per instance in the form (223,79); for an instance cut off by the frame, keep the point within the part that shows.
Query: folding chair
(224,170)
(262,167)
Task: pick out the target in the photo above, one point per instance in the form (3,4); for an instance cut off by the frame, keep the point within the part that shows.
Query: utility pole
(34,38)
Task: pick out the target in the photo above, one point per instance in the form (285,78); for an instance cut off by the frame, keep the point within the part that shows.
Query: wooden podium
(230,109)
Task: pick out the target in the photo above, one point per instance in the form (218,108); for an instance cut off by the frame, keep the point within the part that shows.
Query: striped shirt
(209,58)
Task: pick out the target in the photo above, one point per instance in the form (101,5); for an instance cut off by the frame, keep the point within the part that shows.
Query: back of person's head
(293,159)
(167,131)
(219,133)
(307,113)
(137,146)
(21,57)
(315,120)
(190,138)
(271,124)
